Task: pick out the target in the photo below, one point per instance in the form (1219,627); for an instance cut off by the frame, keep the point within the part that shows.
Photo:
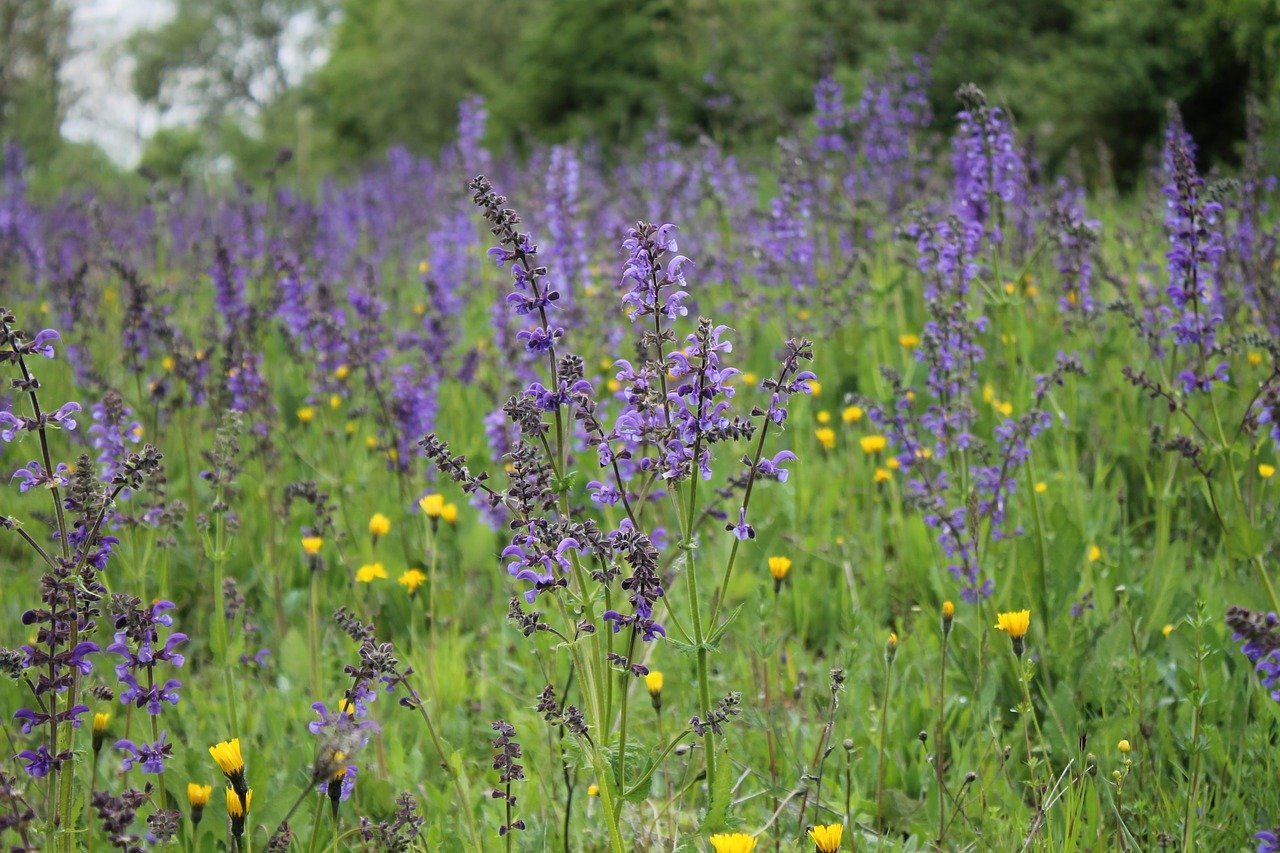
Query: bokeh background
(123,90)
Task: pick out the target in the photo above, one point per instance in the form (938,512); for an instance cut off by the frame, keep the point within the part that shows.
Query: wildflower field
(874,492)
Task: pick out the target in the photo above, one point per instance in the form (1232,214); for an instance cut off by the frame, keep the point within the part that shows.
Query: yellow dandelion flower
(750,378)
(100,721)
(733,842)
(1095,553)
(227,755)
(351,427)
(1255,358)
(370,571)
(988,393)
(824,417)
(411,580)
(1167,630)
(342,372)
(306,414)
(167,363)
(826,437)
(1266,471)
(371,442)
(198,795)
(815,387)
(1041,487)
(882,475)
(311,545)
(653,682)
(779,566)
(238,809)
(432,506)
(908,342)
(424,267)
(1005,409)
(826,838)
(613,385)
(593,790)
(1033,291)
(1009,287)
(873,443)
(335,401)
(419,308)
(893,463)
(449,512)
(1014,623)
(948,610)
(851,414)
(379,525)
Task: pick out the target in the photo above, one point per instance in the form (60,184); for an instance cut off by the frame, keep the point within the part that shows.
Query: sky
(104,109)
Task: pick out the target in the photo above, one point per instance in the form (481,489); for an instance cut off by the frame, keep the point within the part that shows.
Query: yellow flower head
(369,571)
(873,443)
(1124,746)
(750,378)
(1041,487)
(432,505)
(311,545)
(236,809)
(1266,471)
(653,681)
(891,646)
(1167,630)
(593,790)
(1255,358)
(826,437)
(1014,623)
(824,417)
(851,414)
(424,267)
(826,838)
(411,580)
(449,512)
(230,762)
(198,795)
(371,442)
(815,388)
(1095,553)
(908,342)
(335,401)
(100,721)
(779,566)
(379,525)
(306,414)
(733,842)
(342,372)
(948,611)
(882,474)
(167,363)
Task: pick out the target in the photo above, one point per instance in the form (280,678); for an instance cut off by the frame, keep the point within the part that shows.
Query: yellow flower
(1266,471)
(593,790)
(826,838)
(653,681)
(882,475)
(803,315)
(893,463)
(1255,358)
(369,571)
(824,417)
(1124,746)
(1033,291)
(750,378)
(335,402)
(230,761)
(432,506)
(1095,553)
(306,414)
(1167,630)
(826,437)
(1015,623)
(419,308)
(379,525)
(779,566)
(907,342)
(351,427)
(1005,409)
(1041,487)
(371,442)
(411,580)
(873,443)
(1008,287)
(815,388)
(100,722)
(167,363)
(237,810)
(449,512)
(613,385)
(311,545)
(342,372)
(198,795)
(733,842)
(948,610)
(851,414)
(424,267)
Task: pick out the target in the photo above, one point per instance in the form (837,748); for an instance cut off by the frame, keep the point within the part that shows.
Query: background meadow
(949,387)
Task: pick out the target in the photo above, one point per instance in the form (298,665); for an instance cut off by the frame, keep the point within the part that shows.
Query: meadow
(877,492)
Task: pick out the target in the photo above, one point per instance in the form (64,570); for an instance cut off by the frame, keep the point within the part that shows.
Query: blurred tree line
(1086,79)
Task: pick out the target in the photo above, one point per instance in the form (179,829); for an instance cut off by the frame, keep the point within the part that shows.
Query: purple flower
(150,755)
(39,763)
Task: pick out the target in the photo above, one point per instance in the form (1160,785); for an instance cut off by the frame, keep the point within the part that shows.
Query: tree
(34,47)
